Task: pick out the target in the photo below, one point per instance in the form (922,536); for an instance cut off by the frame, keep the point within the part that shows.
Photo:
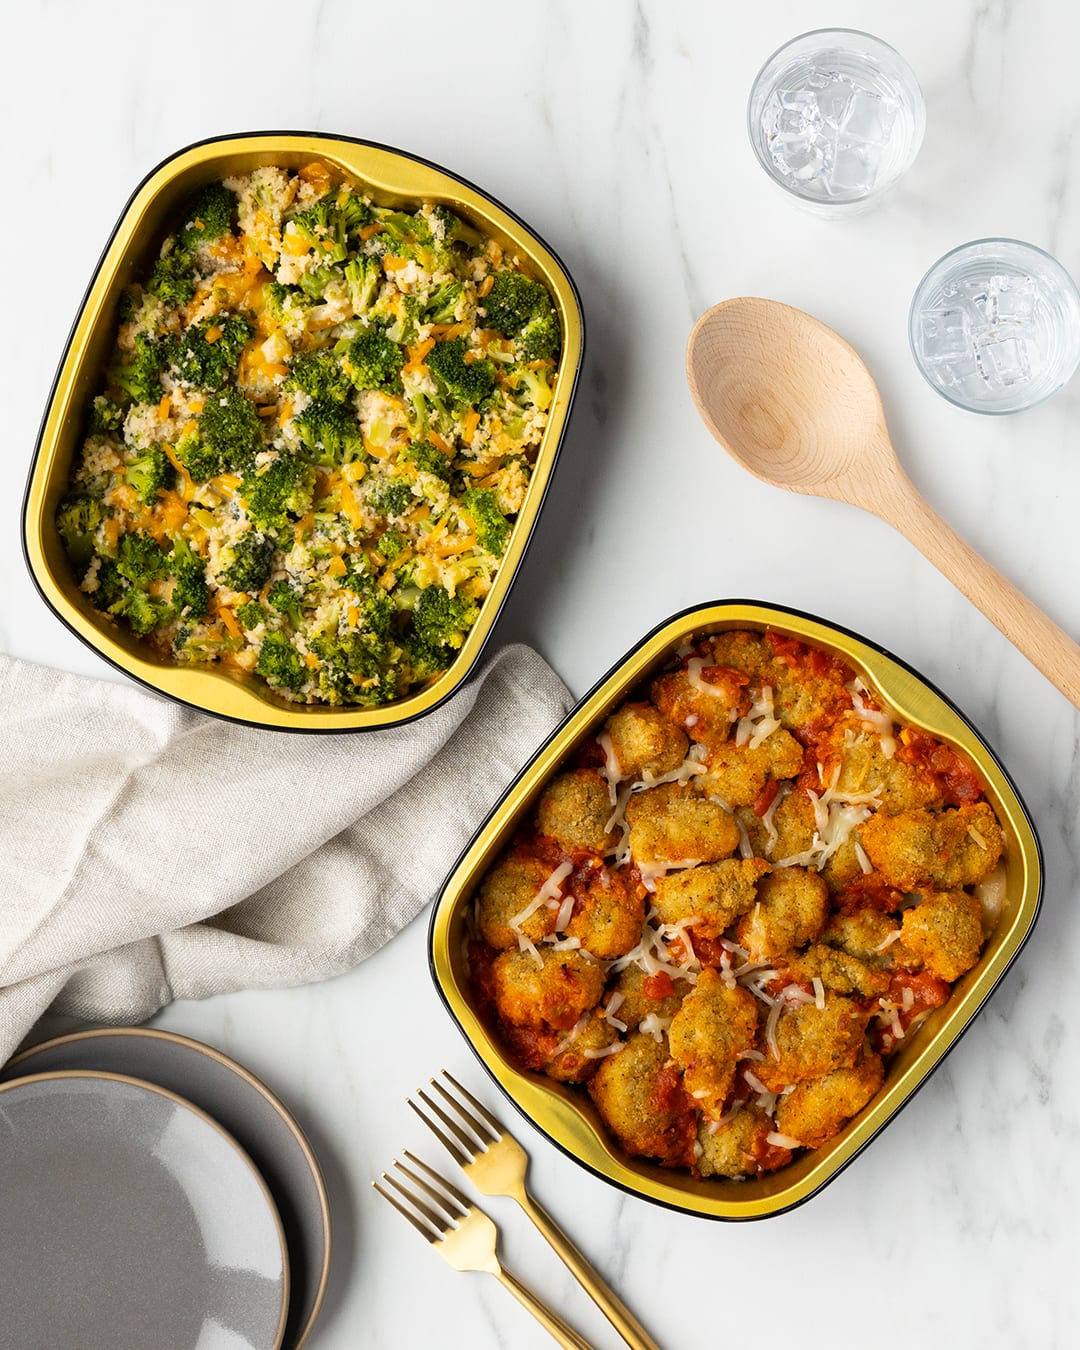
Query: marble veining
(617,131)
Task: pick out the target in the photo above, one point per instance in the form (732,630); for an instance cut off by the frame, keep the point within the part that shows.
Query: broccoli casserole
(735,904)
(314,435)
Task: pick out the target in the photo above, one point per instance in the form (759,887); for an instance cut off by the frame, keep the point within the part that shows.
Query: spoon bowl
(792,402)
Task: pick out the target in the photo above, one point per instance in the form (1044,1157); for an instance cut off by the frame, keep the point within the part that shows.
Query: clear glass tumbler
(835,117)
(995,326)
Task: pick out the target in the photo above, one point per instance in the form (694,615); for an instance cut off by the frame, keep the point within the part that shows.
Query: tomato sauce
(948,769)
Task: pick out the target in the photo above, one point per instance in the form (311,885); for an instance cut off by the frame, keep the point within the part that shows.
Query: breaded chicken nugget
(508,889)
(838,971)
(706,710)
(714,1028)
(642,1101)
(672,823)
(818,1109)
(738,773)
(581,1058)
(740,1147)
(554,993)
(813,1041)
(870,936)
(790,910)
(934,850)
(714,895)
(575,808)
(644,741)
(861,766)
(608,912)
(945,929)
(641,994)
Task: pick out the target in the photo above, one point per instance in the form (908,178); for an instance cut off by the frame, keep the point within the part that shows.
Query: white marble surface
(616,129)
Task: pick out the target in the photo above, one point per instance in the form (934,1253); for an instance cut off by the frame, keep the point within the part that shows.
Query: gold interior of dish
(392,179)
(566,1113)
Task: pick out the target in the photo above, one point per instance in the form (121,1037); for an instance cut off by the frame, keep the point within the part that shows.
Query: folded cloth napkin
(153,853)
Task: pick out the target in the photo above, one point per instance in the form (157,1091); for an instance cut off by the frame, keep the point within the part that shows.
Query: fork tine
(420,1228)
(462,1200)
(461,1158)
(472,1146)
(477,1106)
(484,1123)
(437,1221)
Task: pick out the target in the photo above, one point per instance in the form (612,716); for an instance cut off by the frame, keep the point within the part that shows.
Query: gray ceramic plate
(250,1112)
(129,1219)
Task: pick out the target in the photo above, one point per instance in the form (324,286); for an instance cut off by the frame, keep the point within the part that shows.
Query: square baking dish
(566,1115)
(393,179)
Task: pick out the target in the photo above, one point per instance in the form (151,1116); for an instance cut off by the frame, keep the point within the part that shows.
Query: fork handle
(551,1322)
(609,1303)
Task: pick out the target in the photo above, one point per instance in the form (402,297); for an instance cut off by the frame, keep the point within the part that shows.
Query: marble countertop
(617,131)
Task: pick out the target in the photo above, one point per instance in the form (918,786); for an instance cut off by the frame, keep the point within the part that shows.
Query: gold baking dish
(566,1115)
(393,179)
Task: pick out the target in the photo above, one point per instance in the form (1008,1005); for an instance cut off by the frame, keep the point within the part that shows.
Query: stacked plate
(169,1196)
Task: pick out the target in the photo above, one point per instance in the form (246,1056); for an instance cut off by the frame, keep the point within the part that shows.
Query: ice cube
(854,169)
(1003,361)
(834,98)
(803,160)
(945,337)
(1012,301)
(869,118)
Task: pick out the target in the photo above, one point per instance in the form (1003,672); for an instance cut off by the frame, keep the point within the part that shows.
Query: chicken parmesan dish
(316,429)
(735,904)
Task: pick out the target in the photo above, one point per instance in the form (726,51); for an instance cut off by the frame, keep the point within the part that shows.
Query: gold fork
(496,1164)
(467,1238)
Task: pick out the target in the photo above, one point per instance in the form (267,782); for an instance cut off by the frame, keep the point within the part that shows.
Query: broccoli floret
(331,219)
(191,593)
(110,585)
(150,473)
(319,375)
(404,235)
(390,497)
(372,361)
(391,544)
(206,354)
(248,562)
(77,518)
(280,663)
(140,560)
(287,304)
(141,612)
(230,430)
(356,667)
(451,229)
(209,216)
(251,614)
(428,459)
(329,431)
(285,600)
(173,278)
(106,417)
(540,338)
(139,374)
(490,524)
(443,302)
(275,491)
(533,387)
(363,276)
(441,619)
(513,300)
(318,281)
(201,462)
(466,382)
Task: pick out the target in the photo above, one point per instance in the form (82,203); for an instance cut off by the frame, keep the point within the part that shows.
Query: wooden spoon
(794,404)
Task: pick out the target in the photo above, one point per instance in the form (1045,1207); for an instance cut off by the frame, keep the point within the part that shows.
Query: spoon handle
(1045,645)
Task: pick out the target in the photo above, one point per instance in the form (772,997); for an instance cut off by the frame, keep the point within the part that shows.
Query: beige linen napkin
(151,853)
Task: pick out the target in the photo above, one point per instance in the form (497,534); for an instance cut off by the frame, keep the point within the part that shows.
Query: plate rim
(252,1080)
(100,1075)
